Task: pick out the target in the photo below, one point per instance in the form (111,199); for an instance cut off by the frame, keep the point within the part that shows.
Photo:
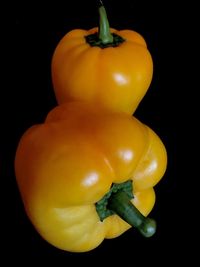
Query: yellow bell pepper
(87,174)
(102,65)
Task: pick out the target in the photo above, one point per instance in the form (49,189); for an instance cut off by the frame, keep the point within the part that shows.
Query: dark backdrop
(36,32)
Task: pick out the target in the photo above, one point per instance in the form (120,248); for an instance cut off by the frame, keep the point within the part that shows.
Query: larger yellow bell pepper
(86,174)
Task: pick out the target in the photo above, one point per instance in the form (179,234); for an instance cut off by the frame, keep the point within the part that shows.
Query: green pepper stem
(104,29)
(120,203)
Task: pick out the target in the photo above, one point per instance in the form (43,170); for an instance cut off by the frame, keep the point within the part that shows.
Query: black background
(36,31)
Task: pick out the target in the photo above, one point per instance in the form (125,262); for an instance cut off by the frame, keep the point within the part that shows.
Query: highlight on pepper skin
(105,66)
(73,169)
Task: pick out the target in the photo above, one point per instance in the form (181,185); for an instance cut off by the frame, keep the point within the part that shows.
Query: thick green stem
(104,29)
(120,204)
(118,201)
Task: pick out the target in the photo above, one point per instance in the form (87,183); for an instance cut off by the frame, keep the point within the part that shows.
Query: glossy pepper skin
(67,164)
(115,76)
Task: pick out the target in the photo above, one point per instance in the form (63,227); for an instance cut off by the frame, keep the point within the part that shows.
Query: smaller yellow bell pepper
(86,174)
(109,67)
